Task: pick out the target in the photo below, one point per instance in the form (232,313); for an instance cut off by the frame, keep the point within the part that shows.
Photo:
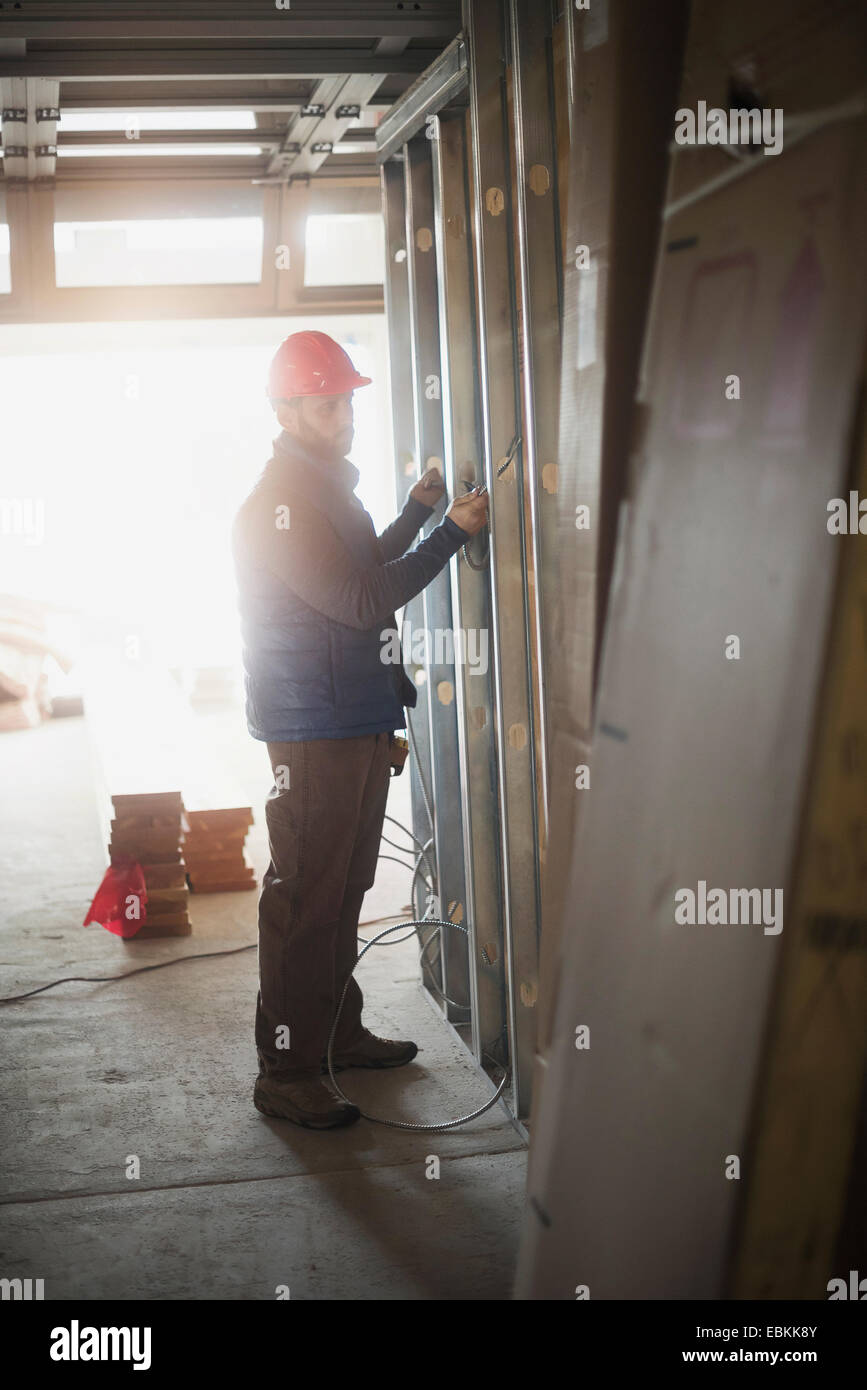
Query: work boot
(306,1101)
(373,1052)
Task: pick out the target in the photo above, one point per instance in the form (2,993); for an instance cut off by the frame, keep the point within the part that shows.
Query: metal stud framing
(403,424)
(539,259)
(511,627)
(443,80)
(471,589)
(427,374)
(484,313)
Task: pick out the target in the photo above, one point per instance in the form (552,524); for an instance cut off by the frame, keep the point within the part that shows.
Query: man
(317,588)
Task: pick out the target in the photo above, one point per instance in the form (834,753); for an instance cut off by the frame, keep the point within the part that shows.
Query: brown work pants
(324,815)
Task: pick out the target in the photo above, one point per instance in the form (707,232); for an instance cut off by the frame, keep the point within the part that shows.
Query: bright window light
(155,434)
(172,251)
(156,120)
(5,275)
(137,147)
(344,249)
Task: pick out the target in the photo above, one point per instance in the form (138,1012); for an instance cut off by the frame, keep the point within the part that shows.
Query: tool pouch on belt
(398,752)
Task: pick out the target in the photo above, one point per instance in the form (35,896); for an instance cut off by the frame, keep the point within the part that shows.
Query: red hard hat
(311,364)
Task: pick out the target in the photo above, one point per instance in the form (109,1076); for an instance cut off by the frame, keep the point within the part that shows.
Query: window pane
(5,272)
(344,249)
(134,118)
(174,251)
(134,148)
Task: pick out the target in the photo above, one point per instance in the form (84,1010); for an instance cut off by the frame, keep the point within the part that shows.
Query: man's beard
(334,450)
(331,450)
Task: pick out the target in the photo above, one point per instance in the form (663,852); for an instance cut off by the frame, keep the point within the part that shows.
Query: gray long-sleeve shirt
(311,556)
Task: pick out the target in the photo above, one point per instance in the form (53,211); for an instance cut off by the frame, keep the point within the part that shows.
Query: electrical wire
(420,771)
(374,941)
(403,849)
(501,468)
(436,937)
(140,970)
(433,886)
(427,845)
(418,844)
(425,965)
(199,955)
(375,921)
(380,1119)
(395,860)
(415,869)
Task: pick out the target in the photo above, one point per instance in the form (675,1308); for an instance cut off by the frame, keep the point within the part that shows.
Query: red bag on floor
(119,904)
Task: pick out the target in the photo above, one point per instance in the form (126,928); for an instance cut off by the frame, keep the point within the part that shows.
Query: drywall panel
(616,190)
(812,1092)
(700,760)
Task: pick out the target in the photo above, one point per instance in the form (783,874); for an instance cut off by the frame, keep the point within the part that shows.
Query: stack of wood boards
(148,829)
(214,850)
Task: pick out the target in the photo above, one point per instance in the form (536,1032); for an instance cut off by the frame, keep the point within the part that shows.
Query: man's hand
(429,488)
(470,512)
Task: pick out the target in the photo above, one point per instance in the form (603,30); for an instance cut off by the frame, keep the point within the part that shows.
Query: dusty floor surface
(228,1204)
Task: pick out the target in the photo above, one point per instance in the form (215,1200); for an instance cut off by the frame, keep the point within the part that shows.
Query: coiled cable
(379,1119)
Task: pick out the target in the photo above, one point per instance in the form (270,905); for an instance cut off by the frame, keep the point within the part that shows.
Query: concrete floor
(229,1204)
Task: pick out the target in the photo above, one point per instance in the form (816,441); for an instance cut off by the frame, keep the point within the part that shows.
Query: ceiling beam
(252,95)
(120,101)
(266,139)
(440,83)
(29,108)
(338,101)
(302,130)
(317,135)
(200,63)
(183,169)
(286,25)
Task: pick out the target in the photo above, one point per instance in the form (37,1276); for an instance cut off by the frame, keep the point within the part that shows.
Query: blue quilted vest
(308,676)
